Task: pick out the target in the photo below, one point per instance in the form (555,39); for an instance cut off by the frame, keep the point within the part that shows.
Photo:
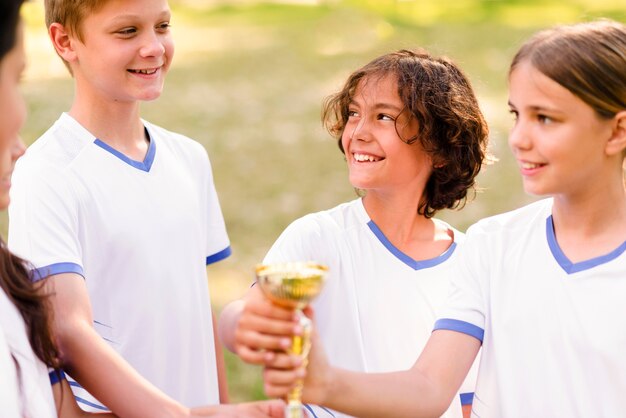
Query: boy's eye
(514,113)
(164,26)
(382,116)
(127,31)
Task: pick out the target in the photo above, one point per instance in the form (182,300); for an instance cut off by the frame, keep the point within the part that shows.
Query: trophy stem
(301,345)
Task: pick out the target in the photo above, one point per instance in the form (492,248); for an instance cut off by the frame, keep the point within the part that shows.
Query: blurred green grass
(248,81)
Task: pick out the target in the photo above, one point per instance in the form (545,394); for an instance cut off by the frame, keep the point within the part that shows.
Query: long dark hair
(15,279)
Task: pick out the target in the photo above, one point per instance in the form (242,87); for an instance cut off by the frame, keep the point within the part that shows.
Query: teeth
(151,71)
(364,157)
(530,166)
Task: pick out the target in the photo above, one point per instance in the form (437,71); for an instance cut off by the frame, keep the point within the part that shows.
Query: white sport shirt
(378,306)
(25,390)
(553,332)
(141,234)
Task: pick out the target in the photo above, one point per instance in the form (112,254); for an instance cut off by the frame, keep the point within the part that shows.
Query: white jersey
(25,390)
(553,332)
(141,234)
(378,306)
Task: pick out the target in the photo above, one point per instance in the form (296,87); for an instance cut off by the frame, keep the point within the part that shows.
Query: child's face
(126,51)
(377,157)
(12,115)
(557,139)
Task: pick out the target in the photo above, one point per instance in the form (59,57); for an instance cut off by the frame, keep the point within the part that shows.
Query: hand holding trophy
(293,285)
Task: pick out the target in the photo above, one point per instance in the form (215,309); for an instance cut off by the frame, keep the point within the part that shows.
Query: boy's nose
(153,46)
(360,131)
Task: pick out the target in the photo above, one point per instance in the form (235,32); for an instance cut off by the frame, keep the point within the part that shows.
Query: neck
(414,234)
(118,124)
(591,225)
(599,208)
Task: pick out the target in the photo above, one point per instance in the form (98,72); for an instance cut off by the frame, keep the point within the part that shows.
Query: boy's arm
(425,390)
(222,380)
(253,325)
(68,408)
(93,363)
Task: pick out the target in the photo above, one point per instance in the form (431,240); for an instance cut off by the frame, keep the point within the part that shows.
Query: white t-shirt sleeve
(302,240)
(218,243)
(44,222)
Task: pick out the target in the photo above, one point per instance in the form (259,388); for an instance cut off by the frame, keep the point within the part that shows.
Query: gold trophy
(293,285)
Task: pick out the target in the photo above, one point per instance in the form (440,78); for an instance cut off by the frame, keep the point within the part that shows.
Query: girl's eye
(514,114)
(544,119)
(352,113)
(382,116)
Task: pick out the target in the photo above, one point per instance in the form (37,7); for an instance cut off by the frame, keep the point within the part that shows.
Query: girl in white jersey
(27,347)
(414,140)
(541,288)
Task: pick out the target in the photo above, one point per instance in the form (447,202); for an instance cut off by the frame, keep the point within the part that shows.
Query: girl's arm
(425,390)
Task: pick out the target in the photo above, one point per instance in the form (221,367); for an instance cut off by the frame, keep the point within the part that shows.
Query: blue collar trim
(144,165)
(414,264)
(566,264)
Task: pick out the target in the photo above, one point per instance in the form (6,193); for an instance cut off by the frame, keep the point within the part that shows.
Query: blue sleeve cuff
(218,256)
(460,326)
(58,268)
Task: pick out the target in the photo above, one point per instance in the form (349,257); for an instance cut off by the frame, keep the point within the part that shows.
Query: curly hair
(451,127)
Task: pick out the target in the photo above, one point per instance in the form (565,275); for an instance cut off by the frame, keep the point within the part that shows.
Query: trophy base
(294,411)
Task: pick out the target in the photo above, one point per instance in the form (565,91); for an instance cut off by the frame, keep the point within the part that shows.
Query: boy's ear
(62,41)
(617,143)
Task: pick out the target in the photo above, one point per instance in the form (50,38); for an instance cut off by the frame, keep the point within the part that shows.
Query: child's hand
(283,371)
(263,328)
(261,409)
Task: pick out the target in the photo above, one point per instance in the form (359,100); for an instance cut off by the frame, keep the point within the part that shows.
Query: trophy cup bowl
(293,285)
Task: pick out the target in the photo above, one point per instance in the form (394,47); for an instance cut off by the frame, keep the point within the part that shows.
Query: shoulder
(457,236)
(513,221)
(59,146)
(335,220)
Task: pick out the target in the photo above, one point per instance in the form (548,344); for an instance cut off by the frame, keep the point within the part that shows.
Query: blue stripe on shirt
(58,268)
(460,326)
(218,256)
(56,376)
(467,398)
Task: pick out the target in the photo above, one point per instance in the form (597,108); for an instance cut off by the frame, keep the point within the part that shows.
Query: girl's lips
(528,168)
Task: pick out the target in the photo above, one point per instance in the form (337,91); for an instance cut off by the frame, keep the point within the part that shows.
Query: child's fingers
(266,325)
(277,383)
(260,341)
(283,361)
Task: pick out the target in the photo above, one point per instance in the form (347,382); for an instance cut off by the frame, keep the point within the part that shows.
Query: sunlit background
(248,81)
